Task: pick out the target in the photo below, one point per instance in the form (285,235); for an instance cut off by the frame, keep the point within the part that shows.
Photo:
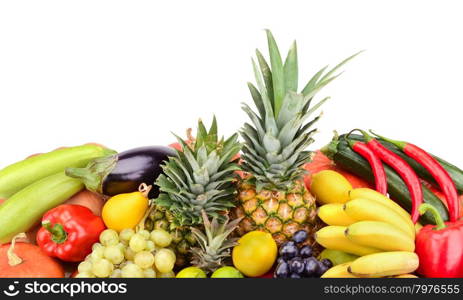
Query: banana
(367,193)
(384,264)
(332,237)
(405,276)
(370,210)
(333,214)
(339,271)
(379,235)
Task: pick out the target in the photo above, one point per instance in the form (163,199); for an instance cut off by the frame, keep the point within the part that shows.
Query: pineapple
(200,178)
(214,244)
(273,197)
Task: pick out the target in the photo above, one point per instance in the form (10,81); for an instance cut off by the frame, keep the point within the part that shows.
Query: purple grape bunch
(298,262)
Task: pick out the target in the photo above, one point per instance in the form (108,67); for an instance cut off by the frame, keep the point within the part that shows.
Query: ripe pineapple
(273,196)
(214,244)
(200,178)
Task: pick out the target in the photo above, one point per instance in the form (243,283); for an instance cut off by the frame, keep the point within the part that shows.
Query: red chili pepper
(375,163)
(440,247)
(402,168)
(69,231)
(441,176)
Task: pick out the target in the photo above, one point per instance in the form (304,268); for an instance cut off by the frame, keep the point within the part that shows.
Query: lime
(191,272)
(227,272)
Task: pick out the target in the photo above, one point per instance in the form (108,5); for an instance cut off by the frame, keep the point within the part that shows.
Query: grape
(131,270)
(129,253)
(145,234)
(97,252)
(144,259)
(85,267)
(122,246)
(109,237)
(85,275)
(97,245)
(102,268)
(170,274)
(289,250)
(306,251)
(126,234)
(282,270)
(88,258)
(114,254)
(137,242)
(161,238)
(164,260)
(300,236)
(149,273)
(117,273)
(150,246)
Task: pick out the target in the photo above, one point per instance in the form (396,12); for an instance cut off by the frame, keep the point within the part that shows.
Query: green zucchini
(347,159)
(455,173)
(25,208)
(21,174)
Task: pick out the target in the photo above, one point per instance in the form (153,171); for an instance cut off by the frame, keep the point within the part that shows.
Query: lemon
(255,253)
(330,187)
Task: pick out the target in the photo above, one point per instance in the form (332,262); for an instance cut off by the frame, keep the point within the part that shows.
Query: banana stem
(425,207)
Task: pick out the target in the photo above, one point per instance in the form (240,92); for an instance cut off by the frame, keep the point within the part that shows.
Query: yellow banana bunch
(374,227)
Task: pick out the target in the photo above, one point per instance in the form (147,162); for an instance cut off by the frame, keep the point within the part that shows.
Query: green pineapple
(200,178)
(214,244)
(273,197)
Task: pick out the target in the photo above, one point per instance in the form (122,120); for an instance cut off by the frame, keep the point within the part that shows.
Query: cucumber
(25,208)
(455,173)
(21,174)
(347,159)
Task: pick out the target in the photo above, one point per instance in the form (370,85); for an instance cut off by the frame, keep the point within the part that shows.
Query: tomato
(255,253)
(330,187)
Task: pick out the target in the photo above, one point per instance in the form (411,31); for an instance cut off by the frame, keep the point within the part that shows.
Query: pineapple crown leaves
(280,130)
(214,243)
(200,177)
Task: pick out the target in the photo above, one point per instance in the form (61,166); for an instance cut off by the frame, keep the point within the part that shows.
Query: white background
(127,73)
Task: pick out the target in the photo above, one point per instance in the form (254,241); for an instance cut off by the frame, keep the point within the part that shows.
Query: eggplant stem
(145,189)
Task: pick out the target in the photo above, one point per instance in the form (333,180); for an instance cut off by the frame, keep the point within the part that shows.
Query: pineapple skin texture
(182,238)
(280,213)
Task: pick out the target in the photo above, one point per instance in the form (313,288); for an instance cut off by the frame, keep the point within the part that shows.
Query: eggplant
(124,172)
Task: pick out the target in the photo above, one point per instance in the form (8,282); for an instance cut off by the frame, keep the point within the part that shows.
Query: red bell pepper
(440,247)
(69,231)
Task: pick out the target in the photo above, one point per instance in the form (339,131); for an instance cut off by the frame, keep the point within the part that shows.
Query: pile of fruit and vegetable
(256,204)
